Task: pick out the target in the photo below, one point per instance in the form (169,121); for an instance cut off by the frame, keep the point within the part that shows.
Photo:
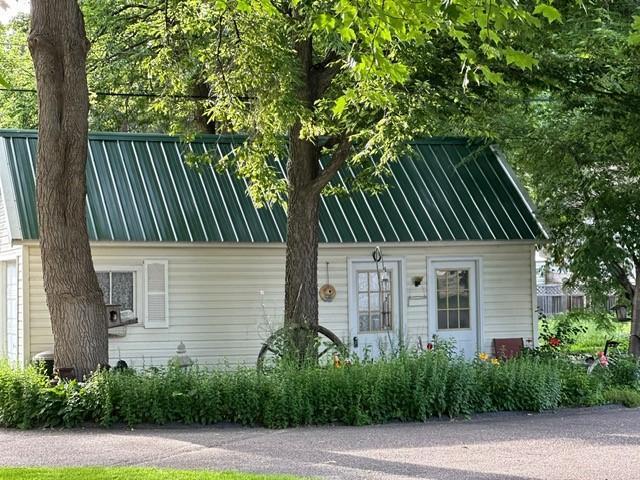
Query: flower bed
(410,387)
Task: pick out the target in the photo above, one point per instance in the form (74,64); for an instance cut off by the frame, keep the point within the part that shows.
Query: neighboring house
(553,296)
(196,262)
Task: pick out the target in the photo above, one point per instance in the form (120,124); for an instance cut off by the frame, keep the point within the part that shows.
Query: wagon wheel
(328,344)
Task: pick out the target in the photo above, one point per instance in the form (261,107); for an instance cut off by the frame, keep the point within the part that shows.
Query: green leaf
(548,12)
(324,22)
(492,77)
(347,34)
(4,82)
(634,36)
(338,107)
(520,59)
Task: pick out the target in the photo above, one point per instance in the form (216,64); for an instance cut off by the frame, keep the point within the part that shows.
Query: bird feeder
(621,313)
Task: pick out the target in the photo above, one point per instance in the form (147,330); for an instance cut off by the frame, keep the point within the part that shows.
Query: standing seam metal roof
(139,189)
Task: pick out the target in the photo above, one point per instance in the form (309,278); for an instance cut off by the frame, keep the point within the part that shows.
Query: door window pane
(442,319)
(374,304)
(452,293)
(464,319)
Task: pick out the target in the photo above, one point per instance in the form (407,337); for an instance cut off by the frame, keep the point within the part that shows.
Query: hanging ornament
(327,291)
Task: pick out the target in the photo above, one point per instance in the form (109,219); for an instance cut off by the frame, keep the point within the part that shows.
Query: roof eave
(524,195)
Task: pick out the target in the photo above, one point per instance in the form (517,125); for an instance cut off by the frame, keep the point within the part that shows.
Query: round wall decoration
(327,292)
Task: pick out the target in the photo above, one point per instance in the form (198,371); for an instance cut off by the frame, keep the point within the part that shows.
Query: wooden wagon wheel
(328,344)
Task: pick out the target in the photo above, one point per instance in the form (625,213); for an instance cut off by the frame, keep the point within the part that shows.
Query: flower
(554,341)
(602,358)
(337,363)
(495,361)
(429,346)
(483,356)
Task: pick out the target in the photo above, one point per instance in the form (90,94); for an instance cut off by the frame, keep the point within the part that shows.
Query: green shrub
(407,387)
(624,370)
(579,388)
(626,396)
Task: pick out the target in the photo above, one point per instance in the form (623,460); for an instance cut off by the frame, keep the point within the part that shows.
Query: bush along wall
(410,387)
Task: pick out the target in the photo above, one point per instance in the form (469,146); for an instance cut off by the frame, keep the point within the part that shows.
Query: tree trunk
(634,339)
(59,47)
(301,271)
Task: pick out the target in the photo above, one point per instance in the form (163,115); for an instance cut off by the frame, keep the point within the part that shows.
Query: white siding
(9,252)
(216,296)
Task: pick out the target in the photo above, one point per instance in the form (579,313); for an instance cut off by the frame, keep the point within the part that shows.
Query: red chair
(506,348)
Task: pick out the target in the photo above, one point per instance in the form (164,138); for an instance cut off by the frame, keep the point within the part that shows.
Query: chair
(506,348)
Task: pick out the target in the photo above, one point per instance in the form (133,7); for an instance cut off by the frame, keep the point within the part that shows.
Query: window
(374,302)
(118,288)
(452,291)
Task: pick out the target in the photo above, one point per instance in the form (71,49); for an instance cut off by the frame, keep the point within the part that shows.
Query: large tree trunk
(301,275)
(59,47)
(634,339)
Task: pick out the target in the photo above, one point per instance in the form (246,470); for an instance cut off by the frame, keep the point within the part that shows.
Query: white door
(11,311)
(374,308)
(453,304)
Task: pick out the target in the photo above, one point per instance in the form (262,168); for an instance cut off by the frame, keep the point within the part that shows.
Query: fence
(554,299)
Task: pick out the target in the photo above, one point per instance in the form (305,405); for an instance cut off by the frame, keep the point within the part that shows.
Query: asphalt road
(583,444)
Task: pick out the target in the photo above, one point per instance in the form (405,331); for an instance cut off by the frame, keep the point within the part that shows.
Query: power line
(118,94)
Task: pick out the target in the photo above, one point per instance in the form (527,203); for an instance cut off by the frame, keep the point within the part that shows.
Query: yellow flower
(483,356)
(495,361)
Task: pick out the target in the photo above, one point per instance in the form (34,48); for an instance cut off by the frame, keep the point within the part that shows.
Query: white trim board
(8,194)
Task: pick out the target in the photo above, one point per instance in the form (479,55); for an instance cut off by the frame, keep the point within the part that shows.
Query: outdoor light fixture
(181,358)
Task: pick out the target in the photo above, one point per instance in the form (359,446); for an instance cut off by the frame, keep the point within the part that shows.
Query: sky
(13,7)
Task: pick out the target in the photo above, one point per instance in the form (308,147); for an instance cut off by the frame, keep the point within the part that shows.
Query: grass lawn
(117,473)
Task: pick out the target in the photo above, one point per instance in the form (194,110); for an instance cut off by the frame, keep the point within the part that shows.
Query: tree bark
(634,339)
(59,47)
(301,270)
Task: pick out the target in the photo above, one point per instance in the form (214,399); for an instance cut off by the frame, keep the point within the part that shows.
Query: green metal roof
(139,189)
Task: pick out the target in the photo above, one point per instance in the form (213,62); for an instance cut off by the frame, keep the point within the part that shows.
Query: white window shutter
(156,285)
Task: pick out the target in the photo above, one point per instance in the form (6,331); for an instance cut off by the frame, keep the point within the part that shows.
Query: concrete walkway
(583,444)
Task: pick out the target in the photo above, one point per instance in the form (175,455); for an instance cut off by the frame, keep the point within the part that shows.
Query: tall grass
(410,387)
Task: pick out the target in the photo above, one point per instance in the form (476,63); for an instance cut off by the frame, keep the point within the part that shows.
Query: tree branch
(623,278)
(338,159)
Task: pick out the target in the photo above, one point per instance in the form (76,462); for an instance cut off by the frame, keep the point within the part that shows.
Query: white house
(191,256)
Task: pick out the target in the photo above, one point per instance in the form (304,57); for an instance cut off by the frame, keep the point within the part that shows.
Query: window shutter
(156,284)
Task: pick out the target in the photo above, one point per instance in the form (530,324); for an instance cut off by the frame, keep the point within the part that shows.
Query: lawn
(118,473)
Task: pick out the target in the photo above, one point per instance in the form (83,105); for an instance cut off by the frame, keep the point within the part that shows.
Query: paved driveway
(582,444)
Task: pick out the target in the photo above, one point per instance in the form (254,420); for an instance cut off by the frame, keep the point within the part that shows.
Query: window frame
(138,284)
(454,262)
(369,292)
(458,309)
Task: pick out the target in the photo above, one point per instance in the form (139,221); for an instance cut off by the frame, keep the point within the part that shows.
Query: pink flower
(554,342)
(604,361)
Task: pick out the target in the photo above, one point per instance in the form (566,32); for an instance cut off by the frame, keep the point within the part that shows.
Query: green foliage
(583,331)
(408,387)
(579,388)
(573,132)
(560,332)
(387,70)
(624,370)
(626,396)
